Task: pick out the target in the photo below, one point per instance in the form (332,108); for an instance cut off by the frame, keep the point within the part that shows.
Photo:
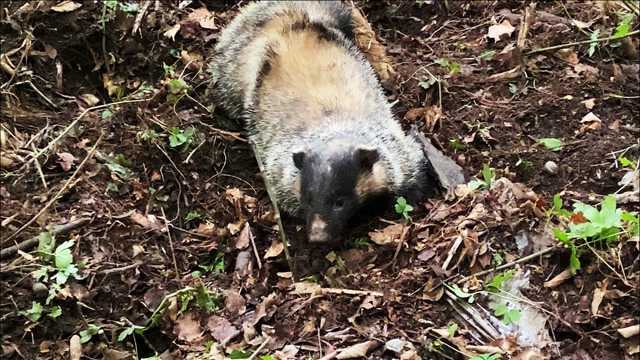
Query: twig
(170,160)
(60,192)
(120,269)
(255,248)
(39,169)
(562,46)
(272,197)
(401,241)
(335,291)
(57,229)
(509,264)
(173,252)
(264,343)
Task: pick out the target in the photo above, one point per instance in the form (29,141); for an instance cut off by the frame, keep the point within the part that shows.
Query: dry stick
(264,343)
(120,269)
(57,229)
(334,291)
(39,169)
(562,46)
(60,192)
(509,264)
(272,197)
(173,252)
(401,241)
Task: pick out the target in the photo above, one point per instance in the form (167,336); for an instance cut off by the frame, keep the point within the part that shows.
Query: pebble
(551,167)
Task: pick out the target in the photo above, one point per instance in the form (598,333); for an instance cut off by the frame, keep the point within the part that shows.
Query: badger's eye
(338,203)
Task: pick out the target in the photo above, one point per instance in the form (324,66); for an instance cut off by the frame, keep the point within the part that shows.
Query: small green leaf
(106,114)
(626,163)
(451,329)
(552,144)
(488,174)
(267,357)
(177,86)
(239,354)
(46,243)
(129,331)
(34,313)
(54,311)
(624,26)
(87,334)
(497,282)
(574,261)
(475,184)
(457,291)
(193,215)
(487,55)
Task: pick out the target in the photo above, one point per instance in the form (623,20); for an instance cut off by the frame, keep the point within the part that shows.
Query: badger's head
(333,185)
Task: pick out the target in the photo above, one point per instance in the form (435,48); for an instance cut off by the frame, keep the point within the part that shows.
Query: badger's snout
(318,229)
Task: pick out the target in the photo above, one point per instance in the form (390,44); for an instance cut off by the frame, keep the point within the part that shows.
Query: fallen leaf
(598,295)
(244,238)
(187,328)
(90,99)
(591,122)
(629,331)
(496,31)
(357,350)
(590,117)
(558,279)
(388,235)
(581,24)
(305,287)
(274,250)
(171,33)
(568,56)
(589,103)
(203,17)
(587,69)
(66,160)
(234,303)
(75,348)
(136,250)
(207,229)
(244,265)
(66,6)
(149,221)
(221,329)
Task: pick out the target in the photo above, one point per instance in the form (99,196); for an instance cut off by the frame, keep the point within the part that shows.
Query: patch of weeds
(456,144)
(204,299)
(214,264)
(624,26)
(552,144)
(119,166)
(177,89)
(403,208)
(130,330)
(626,163)
(497,282)
(193,215)
(497,259)
(148,135)
(488,176)
(588,225)
(181,138)
(89,332)
(509,316)
(451,66)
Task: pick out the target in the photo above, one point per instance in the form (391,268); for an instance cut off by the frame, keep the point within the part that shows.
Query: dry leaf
(171,33)
(568,55)
(591,122)
(234,303)
(66,160)
(149,222)
(221,329)
(388,235)
(274,250)
(558,279)
(203,17)
(90,99)
(629,331)
(301,288)
(587,69)
(589,103)
(598,295)
(357,350)
(244,237)
(66,6)
(495,32)
(75,348)
(207,229)
(187,328)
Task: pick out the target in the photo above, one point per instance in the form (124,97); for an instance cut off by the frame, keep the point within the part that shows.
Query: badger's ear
(298,159)
(366,157)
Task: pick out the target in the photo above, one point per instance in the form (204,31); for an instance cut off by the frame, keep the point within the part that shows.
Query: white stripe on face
(317,229)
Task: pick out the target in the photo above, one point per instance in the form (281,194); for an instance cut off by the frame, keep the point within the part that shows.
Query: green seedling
(452,328)
(594,44)
(119,166)
(177,89)
(452,67)
(552,144)
(624,26)
(456,144)
(488,176)
(509,316)
(427,83)
(487,55)
(35,313)
(361,242)
(193,215)
(626,163)
(130,330)
(403,208)
(179,137)
(89,332)
(457,291)
(497,282)
(486,357)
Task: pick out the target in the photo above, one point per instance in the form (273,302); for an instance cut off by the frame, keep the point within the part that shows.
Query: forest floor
(135,224)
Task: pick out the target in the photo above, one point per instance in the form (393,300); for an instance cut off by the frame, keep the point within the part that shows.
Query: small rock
(394,345)
(39,289)
(551,167)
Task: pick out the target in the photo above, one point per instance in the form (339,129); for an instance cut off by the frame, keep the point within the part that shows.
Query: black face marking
(328,190)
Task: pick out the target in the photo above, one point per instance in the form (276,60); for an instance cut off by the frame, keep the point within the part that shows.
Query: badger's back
(292,73)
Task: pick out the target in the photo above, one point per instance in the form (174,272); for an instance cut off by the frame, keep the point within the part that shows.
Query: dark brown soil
(139,246)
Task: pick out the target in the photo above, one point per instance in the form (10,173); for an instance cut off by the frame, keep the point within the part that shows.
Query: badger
(315,112)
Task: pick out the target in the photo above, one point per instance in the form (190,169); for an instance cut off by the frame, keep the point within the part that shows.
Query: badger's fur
(291,72)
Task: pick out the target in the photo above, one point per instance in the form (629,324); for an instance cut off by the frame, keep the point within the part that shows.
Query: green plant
(452,67)
(177,89)
(624,26)
(497,282)
(35,313)
(179,137)
(497,259)
(552,144)
(130,330)
(403,208)
(451,329)
(89,332)
(488,175)
(509,316)
(487,55)
(590,225)
(456,144)
(148,135)
(193,215)
(119,166)
(457,291)
(626,163)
